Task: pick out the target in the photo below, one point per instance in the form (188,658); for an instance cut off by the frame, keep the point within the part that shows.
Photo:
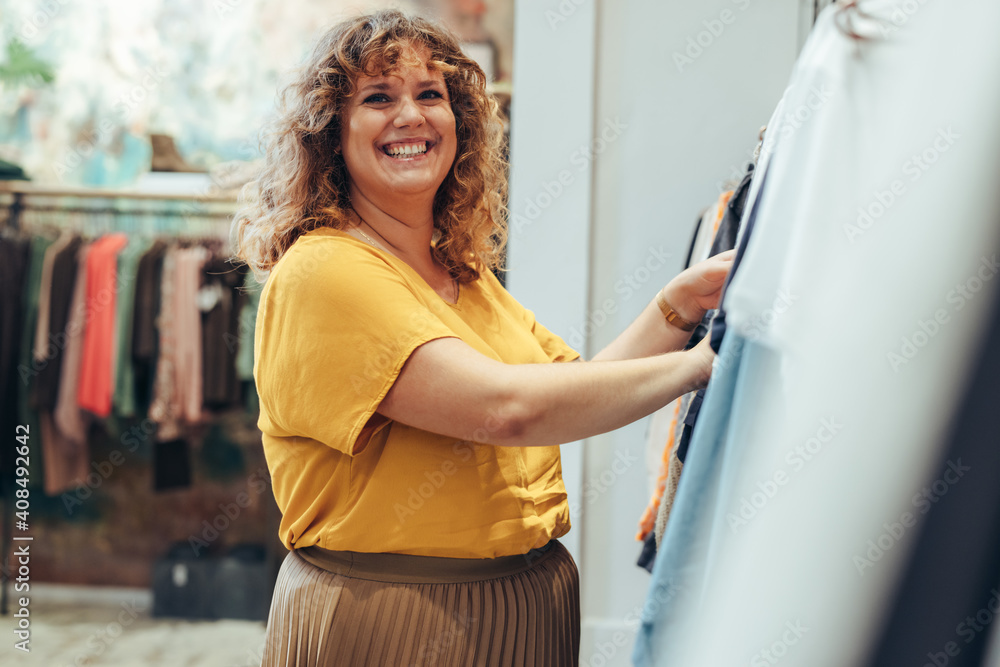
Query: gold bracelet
(671,314)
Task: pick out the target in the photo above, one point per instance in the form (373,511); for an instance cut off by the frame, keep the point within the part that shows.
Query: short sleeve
(335,325)
(555,347)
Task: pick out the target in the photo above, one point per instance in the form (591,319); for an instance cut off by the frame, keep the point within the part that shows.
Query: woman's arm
(690,294)
(449,388)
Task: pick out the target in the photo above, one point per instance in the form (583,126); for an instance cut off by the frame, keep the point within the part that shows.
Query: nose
(410,114)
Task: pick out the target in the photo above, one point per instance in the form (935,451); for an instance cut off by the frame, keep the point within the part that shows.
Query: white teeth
(408,149)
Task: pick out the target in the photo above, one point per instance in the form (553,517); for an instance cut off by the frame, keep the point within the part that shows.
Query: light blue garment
(680,561)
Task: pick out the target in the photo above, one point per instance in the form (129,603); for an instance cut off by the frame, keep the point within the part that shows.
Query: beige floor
(77,626)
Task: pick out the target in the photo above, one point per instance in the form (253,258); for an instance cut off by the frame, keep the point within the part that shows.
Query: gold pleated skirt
(338,608)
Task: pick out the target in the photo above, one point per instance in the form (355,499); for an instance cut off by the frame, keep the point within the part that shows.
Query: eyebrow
(380,87)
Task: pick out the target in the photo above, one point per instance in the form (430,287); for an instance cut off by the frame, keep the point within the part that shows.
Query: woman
(411,409)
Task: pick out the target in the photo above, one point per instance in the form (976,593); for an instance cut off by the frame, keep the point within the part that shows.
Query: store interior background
(627,119)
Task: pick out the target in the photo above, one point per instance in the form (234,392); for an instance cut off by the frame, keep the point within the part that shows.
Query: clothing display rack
(151,212)
(186,233)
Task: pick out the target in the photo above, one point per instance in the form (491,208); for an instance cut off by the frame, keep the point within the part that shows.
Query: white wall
(673,131)
(550,198)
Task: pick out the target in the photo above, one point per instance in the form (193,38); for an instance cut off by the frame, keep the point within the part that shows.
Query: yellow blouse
(337,320)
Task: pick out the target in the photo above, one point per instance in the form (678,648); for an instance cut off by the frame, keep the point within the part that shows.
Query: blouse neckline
(339,232)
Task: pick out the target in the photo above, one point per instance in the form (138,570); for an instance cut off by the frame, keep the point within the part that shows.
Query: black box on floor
(236,585)
(182,584)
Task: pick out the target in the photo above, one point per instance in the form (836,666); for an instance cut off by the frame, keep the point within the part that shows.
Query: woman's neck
(404,229)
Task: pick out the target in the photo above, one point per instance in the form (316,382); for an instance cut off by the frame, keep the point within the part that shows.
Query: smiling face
(398,133)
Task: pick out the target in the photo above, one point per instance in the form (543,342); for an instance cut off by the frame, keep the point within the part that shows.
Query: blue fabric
(677,574)
(712,459)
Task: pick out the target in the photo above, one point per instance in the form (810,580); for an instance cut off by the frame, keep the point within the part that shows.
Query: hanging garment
(946,606)
(674,468)
(244,356)
(97,367)
(14,259)
(648,520)
(144,332)
(70,420)
(188,342)
(62,288)
(42,323)
(248,319)
(65,463)
(850,323)
(27,369)
(171,465)
(124,377)
(729,224)
(165,408)
(672,454)
(220,301)
(714,322)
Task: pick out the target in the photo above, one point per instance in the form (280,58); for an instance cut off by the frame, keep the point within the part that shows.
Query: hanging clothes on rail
(852,324)
(51,329)
(124,397)
(97,367)
(99,341)
(66,432)
(145,338)
(725,219)
(221,302)
(15,254)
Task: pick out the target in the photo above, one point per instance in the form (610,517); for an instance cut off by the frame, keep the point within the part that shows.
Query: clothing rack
(18,198)
(94,212)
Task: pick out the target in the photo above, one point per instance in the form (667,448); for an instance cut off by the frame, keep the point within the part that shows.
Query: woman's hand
(696,290)
(704,355)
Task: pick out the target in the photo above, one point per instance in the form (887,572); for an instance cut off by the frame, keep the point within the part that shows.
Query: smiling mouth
(403,150)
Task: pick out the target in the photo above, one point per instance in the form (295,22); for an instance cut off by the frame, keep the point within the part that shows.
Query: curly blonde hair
(303,182)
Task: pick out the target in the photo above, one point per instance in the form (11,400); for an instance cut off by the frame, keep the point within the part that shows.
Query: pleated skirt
(336,608)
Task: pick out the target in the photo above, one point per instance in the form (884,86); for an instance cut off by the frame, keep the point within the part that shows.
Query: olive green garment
(128,268)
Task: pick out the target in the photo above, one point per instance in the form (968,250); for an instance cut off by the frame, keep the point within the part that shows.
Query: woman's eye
(430,95)
(377,98)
